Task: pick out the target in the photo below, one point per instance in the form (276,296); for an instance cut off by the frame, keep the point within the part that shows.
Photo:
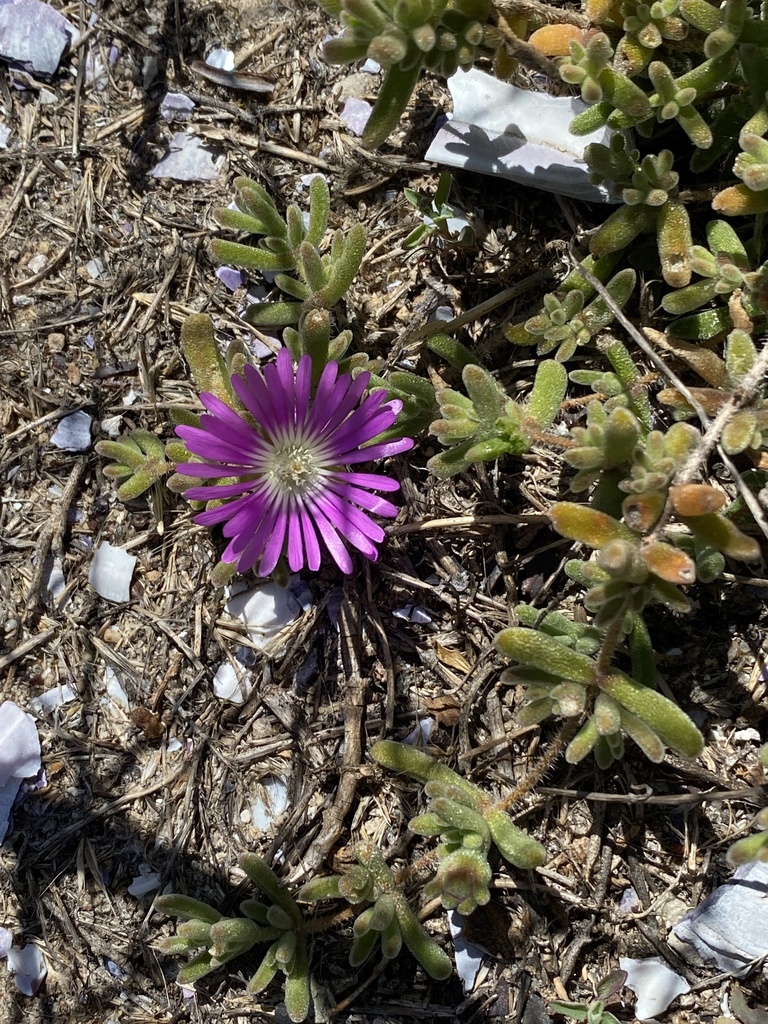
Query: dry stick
(741,397)
(78,92)
(448,327)
(354,699)
(27,647)
(460,522)
(23,188)
(749,794)
(541,768)
(54,529)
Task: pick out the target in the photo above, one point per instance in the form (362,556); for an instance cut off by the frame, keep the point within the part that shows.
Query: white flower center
(293,468)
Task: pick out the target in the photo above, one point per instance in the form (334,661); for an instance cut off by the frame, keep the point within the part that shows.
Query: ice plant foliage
(288,489)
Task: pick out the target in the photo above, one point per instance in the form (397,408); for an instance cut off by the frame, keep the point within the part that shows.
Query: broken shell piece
(231,685)
(27,966)
(176,106)
(73,434)
(114,688)
(469,958)
(513,133)
(146,881)
(355,115)
(220,58)
(654,983)
(110,573)
(264,611)
(53,698)
(19,757)
(270,802)
(33,36)
(189,159)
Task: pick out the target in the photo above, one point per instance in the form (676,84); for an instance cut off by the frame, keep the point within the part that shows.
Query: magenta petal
(373,481)
(303,387)
(310,540)
(253,393)
(275,544)
(247,549)
(332,541)
(213,492)
(295,546)
(359,425)
(351,523)
(379,451)
(365,499)
(326,417)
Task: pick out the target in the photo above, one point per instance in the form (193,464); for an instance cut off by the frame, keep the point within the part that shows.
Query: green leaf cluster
(387,921)
(468,824)
(139,461)
(404,36)
(288,244)
(562,681)
(214,940)
(485,424)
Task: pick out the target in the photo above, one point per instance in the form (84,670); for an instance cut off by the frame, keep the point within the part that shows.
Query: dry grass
(75,187)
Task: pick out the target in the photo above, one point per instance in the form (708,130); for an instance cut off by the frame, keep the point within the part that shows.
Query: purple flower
(293,490)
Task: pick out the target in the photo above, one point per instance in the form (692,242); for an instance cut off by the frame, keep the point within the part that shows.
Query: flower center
(293,468)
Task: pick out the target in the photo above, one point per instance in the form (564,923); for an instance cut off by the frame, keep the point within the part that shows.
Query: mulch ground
(76,187)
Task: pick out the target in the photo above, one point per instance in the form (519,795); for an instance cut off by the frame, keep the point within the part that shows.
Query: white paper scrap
(730,928)
(499,129)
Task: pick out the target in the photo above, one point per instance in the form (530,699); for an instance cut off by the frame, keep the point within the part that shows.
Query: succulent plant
(220,939)
(563,681)
(485,423)
(404,36)
(387,920)
(468,823)
(288,244)
(139,462)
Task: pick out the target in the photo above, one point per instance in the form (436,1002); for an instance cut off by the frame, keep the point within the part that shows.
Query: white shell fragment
(219,58)
(469,958)
(730,928)
(114,688)
(27,967)
(413,613)
(73,434)
(231,685)
(189,159)
(499,129)
(6,939)
(110,572)
(654,983)
(264,611)
(355,115)
(19,757)
(33,36)
(270,802)
(53,698)
(146,881)
(176,106)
